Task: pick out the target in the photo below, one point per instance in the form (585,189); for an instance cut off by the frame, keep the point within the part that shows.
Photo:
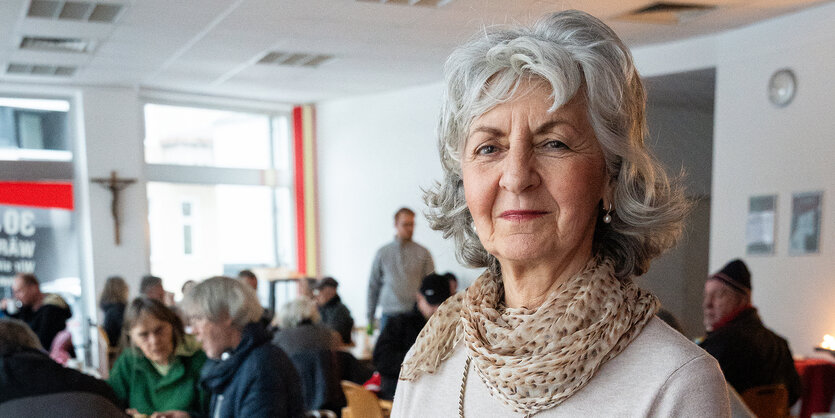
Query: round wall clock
(782,87)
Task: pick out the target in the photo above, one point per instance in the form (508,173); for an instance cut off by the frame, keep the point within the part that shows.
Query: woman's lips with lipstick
(522,215)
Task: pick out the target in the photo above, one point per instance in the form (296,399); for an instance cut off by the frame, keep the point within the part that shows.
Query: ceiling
(212,47)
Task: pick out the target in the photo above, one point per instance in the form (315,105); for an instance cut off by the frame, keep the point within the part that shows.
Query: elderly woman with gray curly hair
(549,186)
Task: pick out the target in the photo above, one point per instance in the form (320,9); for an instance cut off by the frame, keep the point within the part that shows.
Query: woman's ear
(608,193)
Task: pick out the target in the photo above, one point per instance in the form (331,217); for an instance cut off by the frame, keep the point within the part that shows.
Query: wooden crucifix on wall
(115,185)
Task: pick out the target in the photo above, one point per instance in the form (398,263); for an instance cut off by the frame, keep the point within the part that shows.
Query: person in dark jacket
(26,370)
(112,301)
(312,349)
(334,313)
(401,331)
(749,354)
(245,374)
(46,314)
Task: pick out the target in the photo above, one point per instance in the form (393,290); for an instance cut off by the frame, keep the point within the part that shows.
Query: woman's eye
(555,144)
(486,149)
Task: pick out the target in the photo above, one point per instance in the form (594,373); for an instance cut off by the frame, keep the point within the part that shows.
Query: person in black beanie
(749,354)
(401,331)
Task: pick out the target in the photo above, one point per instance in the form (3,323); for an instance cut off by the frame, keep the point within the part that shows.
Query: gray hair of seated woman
(297,312)
(575,53)
(219,298)
(16,335)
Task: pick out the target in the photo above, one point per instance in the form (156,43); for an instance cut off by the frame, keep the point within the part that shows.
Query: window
(34,129)
(38,222)
(219,191)
(206,137)
(188,224)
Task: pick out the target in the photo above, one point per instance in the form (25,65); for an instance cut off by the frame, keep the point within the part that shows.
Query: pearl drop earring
(607,218)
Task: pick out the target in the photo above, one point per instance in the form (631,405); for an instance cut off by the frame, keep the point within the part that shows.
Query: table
(818,379)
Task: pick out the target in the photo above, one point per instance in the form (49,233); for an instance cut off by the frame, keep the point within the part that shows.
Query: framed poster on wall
(759,232)
(806,223)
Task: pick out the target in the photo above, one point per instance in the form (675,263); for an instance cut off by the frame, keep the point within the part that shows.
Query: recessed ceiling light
(78,11)
(56,44)
(667,13)
(421,3)
(45,70)
(294,59)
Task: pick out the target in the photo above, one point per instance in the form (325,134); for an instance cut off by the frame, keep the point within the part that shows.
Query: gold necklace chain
(463,387)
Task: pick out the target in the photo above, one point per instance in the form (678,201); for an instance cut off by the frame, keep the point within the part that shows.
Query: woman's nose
(518,171)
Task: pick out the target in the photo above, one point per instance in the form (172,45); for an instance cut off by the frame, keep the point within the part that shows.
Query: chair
(63,404)
(361,402)
(769,401)
(104,353)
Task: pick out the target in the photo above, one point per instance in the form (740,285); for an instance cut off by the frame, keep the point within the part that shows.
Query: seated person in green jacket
(160,369)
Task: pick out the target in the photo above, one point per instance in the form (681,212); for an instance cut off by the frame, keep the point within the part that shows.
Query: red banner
(37,194)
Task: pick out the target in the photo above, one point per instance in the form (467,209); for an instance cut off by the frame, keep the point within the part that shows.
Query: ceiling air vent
(78,11)
(41,70)
(56,44)
(668,13)
(295,59)
(422,3)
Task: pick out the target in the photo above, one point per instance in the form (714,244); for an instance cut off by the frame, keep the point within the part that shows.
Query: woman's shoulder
(658,341)
(657,356)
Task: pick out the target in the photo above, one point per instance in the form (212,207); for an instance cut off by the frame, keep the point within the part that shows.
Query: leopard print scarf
(534,359)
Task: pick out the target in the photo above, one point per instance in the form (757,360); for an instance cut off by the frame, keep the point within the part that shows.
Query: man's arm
(344,323)
(375,284)
(390,349)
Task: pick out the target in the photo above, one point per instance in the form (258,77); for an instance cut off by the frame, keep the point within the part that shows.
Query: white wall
(761,149)
(375,154)
(113,129)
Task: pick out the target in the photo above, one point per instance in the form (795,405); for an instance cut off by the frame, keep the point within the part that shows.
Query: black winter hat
(736,275)
(327,281)
(435,288)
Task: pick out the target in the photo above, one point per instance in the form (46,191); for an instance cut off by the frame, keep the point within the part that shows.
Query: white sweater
(660,374)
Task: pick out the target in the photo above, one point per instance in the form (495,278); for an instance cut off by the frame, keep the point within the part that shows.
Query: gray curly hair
(575,53)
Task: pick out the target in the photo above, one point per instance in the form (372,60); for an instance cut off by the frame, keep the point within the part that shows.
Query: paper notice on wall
(759,232)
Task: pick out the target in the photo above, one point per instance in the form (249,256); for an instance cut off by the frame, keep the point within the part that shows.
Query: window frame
(270,177)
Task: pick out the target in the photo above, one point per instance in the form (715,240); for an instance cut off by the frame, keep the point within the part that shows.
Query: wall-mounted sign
(759,233)
(37,233)
(806,223)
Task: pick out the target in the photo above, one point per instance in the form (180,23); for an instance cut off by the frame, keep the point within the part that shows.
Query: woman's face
(533,180)
(213,335)
(154,337)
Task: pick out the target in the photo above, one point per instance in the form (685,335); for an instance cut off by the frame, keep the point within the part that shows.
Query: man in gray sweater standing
(397,271)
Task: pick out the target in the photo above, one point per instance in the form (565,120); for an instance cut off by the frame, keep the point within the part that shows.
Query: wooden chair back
(770,401)
(361,402)
(104,353)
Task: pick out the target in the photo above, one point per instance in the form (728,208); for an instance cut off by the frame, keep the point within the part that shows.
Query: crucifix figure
(115,185)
